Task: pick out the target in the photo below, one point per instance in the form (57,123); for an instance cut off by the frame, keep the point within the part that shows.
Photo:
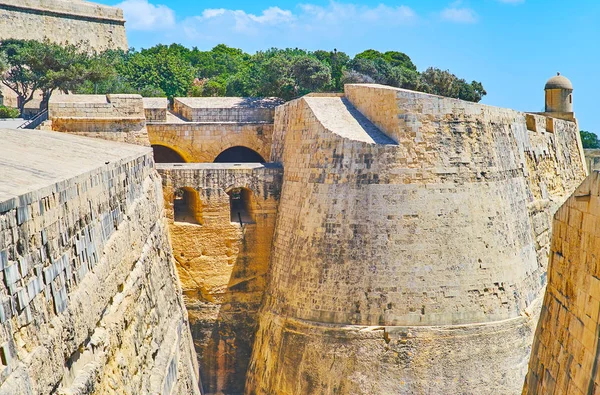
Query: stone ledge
(83,11)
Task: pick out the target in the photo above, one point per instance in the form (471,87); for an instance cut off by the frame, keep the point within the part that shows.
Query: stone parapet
(111,117)
(89,301)
(156,109)
(227,109)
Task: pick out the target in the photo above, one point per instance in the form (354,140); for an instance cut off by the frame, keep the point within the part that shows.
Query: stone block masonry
(222,265)
(565,354)
(411,244)
(99,26)
(203,142)
(110,117)
(89,298)
(227,109)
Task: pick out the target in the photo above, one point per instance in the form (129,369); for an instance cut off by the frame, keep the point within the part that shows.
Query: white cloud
(459,15)
(309,21)
(142,15)
(337,12)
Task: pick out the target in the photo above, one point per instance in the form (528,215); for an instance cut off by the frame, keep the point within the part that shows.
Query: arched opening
(164,154)
(187,206)
(239,154)
(240,203)
(570,99)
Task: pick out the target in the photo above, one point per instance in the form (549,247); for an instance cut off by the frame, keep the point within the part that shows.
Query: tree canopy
(28,66)
(175,70)
(589,140)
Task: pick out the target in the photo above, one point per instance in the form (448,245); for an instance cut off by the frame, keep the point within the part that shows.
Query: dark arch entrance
(239,154)
(164,154)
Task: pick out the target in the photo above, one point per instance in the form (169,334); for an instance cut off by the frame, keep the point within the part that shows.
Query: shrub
(8,112)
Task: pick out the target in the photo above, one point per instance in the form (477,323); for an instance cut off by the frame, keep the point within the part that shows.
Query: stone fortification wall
(564,357)
(592,159)
(410,261)
(203,142)
(89,300)
(62,21)
(110,117)
(226,109)
(156,109)
(222,265)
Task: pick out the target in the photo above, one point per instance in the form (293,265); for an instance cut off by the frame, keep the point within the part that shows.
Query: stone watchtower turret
(559,95)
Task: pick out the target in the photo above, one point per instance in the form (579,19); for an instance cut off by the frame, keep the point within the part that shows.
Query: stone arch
(241,205)
(239,154)
(187,206)
(166,154)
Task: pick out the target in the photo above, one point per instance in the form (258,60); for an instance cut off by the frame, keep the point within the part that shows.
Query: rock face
(89,298)
(222,264)
(564,357)
(411,244)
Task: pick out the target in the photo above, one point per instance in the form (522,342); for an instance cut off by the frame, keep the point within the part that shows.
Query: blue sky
(511,46)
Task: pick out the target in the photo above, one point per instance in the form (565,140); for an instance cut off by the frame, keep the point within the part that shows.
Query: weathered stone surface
(564,357)
(203,142)
(408,259)
(89,301)
(222,265)
(592,159)
(110,117)
(227,109)
(101,27)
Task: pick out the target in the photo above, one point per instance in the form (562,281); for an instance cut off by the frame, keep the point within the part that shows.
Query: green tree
(589,140)
(310,74)
(159,68)
(29,66)
(337,61)
(444,83)
(219,61)
(393,58)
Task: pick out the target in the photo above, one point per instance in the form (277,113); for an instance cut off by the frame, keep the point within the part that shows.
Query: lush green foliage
(29,66)
(287,73)
(7,112)
(589,140)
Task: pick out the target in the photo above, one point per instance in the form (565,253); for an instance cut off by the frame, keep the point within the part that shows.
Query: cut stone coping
(100,119)
(340,117)
(34,163)
(217,166)
(191,123)
(156,103)
(229,102)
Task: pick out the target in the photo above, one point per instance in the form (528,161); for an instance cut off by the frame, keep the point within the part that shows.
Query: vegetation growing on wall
(174,70)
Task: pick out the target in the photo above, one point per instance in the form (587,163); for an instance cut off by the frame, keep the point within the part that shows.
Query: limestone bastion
(89,297)
(411,243)
(397,242)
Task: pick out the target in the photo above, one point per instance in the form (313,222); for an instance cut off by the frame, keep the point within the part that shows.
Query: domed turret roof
(559,82)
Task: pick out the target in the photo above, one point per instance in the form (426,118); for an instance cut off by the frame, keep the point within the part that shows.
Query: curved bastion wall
(411,243)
